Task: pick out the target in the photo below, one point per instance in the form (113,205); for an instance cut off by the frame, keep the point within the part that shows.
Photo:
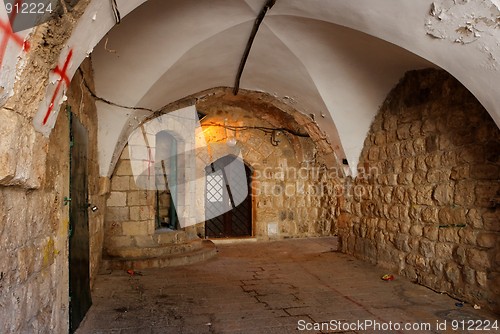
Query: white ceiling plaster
(168,43)
(339,75)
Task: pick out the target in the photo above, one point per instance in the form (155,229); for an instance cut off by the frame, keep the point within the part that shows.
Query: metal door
(79,272)
(224,190)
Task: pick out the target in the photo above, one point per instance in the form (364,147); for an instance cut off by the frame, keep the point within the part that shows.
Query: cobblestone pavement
(270,287)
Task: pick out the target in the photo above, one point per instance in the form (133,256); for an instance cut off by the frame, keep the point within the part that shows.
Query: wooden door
(79,272)
(228,200)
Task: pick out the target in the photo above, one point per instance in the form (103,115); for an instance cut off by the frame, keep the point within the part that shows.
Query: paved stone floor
(271,287)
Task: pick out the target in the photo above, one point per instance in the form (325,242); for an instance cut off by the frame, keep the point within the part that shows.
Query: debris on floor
(388,277)
(134,273)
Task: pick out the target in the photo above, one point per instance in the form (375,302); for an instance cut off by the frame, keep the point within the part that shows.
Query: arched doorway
(228,199)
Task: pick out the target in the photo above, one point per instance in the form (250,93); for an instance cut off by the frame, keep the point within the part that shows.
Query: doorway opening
(166,181)
(228,199)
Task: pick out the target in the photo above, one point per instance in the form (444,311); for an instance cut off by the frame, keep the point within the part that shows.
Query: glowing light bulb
(231,141)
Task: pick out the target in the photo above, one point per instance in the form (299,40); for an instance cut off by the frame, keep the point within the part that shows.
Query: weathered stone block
(373,153)
(403,132)
(117,214)
(445,250)
(460,255)
(453,274)
(419,146)
(120,183)
(487,240)
(141,213)
(486,192)
(123,168)
(424,195)
(134,228)
(117,199)
(491,221)
(431,232)
(431,144)
(405,179)
(469,275)
(468,236)
(452,216)
(390,123)
(474,219)
(464,193)
(485,172)
(415,129)
(416,230)
(113,242)
(10,139)
(482,278)
(401,242)
(478,259)
(420,178)
(407,149)
(433,160)
(460,172)
(448,235)
(443,194)
(430,214)
(136,198)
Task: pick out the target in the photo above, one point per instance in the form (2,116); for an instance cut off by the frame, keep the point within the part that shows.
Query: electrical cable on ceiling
(98,98)
(229,127)
(116,12)
(268,5)
(273,131)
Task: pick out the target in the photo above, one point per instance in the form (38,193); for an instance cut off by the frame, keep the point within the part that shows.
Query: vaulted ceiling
(334,60)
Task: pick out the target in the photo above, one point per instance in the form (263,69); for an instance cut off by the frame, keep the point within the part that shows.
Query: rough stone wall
(34,250)
(34,179)
(429,207)
(34,222)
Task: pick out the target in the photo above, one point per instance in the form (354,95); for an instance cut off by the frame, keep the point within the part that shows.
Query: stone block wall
(34,221)
(428,209)
(130,215)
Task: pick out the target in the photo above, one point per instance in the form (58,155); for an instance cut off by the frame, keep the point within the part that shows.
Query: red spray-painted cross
(9,35)
(63,78)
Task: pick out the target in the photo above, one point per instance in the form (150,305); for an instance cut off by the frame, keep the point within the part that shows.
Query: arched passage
(332,75)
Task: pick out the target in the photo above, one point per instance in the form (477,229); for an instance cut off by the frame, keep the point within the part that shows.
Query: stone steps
(154,250)
(165,255)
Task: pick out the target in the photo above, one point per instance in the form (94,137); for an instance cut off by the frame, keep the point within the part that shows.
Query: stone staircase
(163,249)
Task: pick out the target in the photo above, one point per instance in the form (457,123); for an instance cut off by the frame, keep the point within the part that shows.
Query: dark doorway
(79,272)
(228,199)
(166,181)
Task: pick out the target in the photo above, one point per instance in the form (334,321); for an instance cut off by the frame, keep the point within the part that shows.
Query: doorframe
(251,193)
